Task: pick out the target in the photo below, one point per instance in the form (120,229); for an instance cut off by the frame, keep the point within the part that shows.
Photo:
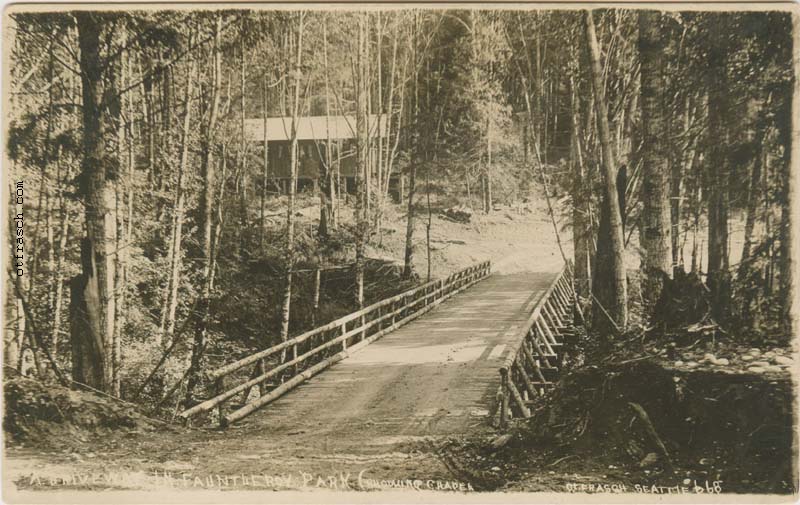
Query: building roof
(312,128)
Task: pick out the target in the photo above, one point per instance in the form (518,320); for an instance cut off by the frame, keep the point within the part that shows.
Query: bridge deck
(436,376)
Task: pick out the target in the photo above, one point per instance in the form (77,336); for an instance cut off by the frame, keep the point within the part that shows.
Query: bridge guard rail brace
(539,340)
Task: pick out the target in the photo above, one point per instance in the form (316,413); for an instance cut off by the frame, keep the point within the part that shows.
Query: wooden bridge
(472,345)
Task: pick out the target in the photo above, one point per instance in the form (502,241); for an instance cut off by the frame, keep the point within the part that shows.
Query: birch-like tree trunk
(362,154)
(176,258)
(754,198)
(610,291)
(265,172)
(289,252)
(124,222)
(581,231)
(408,263)
(206,204)
(243,145)
(326,167)
(58,281)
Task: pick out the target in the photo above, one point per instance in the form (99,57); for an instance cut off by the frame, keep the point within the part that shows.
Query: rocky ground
(737,358)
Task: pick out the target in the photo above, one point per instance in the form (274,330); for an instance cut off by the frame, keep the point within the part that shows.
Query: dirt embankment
(50,416)
(644,424)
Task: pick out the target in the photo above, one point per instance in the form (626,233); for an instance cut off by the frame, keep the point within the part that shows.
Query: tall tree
(362,154)
(408,257)
(610,283)
(788,226)
(655,186)
(290,206)
(581,205)
(93,303)
(327,198)
(206,206)
(176,253)
(718,167)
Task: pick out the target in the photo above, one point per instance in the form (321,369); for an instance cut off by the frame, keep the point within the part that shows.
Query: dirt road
(372,421)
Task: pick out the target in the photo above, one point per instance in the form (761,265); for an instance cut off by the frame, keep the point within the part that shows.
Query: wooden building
(313,133)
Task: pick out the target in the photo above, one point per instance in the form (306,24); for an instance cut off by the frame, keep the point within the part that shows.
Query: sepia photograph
(400,253)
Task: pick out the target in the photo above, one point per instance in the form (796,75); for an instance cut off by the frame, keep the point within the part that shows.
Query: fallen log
(651,433)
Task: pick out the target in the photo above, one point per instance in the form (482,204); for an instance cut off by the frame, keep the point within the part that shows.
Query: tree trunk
(682,211)
(484,199)
(377,150)
(768,211)
(697,207)
(717,180)
(753,201)
(15,311)
(362,154)
(219,216)
(408,266)
(655,186)
(89,359)
(790,192)
(206,204)
(149,113)
(326,167)
(264,173)
(175,260)
(93,292)
(124,223)
(56,297)
(581,231)
(430,219)
(287,292)
(683,165)
(488,169)
(748,301)
(244,211)
(43,204)
(610,286)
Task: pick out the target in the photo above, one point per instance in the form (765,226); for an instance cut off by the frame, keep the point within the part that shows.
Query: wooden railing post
(316,297)
(504,398)
(515,395)
(219,388)
(260,370)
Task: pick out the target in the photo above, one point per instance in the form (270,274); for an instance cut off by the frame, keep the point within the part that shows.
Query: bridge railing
(532,359)
(293,361)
